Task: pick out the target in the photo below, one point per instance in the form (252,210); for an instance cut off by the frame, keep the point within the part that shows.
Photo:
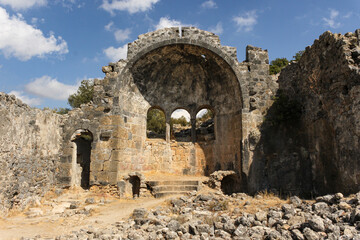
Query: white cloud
(122,34)
(166,22)
(179,113)
(115,54)
(348,15)
(28,100)
(109,26)
(23,41)
(209,4)
(48,87)
(246,21)
(218,29)
(36,21)
(23,4)
(132,6)
(331,21)
(70,4)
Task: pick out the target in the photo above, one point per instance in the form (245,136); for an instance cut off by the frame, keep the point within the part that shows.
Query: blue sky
(48,46)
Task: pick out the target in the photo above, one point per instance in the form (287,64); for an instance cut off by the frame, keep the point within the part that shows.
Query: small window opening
(156,125)
(135,182)
(205,125)
(180,126)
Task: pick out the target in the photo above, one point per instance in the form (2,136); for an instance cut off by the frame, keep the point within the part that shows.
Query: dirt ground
(53,217)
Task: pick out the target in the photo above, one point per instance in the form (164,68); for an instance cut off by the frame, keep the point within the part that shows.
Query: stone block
(111,166)
(105,120)
(117,120)
(116,143)
(121,132)
(96,166)
(102,177)
(116,155)
(112,176)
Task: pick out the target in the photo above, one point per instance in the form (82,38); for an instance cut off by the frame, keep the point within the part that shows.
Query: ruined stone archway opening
(228,184)
(156,123)
(180,125)
(205,125)
(179,76)
(135,186)
(81,159)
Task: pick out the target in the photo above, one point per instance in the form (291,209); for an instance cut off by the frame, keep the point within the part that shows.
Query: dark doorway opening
(135,182)
(228,184)
(83,155)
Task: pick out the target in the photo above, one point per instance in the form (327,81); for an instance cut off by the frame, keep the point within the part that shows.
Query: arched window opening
(156,125)
(135,182)
(83,140)
(180,126)
(205,125)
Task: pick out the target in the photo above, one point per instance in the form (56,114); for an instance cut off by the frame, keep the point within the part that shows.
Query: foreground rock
(217,216)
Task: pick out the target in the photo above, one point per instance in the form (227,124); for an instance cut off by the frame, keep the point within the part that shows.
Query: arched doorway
(82,140)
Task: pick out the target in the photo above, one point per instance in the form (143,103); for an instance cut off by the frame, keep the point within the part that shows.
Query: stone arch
(205,130)
(179,71)
(179,132)
(228,54)
(81,156)
(160,129)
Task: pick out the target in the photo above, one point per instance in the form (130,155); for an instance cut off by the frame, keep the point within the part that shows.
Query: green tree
(83,95)
(278,64)
(181,120)
(156,121)
(61,110)
(298,55)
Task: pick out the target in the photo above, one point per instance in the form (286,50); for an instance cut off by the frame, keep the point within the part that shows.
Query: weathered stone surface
(317,134)
(30,142)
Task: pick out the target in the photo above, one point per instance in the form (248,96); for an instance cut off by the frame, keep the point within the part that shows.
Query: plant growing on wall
(83,95)
(278,64)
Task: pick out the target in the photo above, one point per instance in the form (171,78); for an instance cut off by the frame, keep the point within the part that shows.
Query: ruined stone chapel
(296,133)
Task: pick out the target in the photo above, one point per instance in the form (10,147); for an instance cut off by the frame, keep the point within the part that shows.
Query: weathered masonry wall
(319,152)
(30,140)
(167,70)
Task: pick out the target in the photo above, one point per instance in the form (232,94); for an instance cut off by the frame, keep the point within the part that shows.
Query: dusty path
(52,225)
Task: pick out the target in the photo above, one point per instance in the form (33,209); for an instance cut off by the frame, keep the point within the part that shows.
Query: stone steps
(166,188)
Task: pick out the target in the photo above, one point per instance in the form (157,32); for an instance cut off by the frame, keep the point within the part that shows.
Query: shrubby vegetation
(279,63)
(156,121)
(83,95)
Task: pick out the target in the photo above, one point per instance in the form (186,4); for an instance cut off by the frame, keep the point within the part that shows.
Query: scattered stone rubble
(209,216)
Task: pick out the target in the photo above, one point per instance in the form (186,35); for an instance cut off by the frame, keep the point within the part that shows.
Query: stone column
(193,129)
(167,136)
(73,164)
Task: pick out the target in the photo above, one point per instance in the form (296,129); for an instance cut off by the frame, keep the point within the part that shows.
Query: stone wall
(315,147)
(168,70)
(30,140)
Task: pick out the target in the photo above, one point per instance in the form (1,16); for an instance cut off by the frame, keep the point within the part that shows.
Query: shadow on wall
(290,156)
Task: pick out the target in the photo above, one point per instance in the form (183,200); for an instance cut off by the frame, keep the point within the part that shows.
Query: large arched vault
(169,69)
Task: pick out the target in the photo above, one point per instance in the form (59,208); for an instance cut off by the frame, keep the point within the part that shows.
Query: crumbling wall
(315,147)
(169,70)
(30,140)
